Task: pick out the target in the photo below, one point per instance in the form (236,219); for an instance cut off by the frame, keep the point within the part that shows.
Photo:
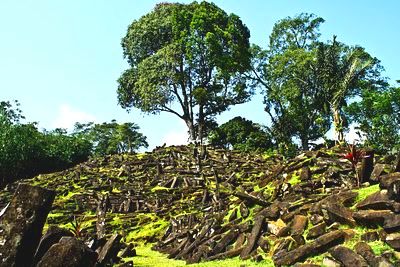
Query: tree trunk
(304,143)
(201,124)
(191,129)
(338,125)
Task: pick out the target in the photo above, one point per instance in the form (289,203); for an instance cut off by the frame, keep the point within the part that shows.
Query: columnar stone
(22,223)
(367,166)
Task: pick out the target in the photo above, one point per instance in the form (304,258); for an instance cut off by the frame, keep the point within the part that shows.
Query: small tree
(111,138)
(346,70)
(377,116)
(241,134)
(186,60)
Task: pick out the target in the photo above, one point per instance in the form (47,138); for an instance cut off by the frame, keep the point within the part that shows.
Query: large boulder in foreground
(22,223)
(68,252)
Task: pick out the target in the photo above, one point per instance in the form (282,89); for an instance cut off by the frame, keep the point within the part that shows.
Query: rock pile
(198,204)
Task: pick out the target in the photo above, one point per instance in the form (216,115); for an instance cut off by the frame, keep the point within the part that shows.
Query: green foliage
(192,55)
(301,75)
(111,138)
(287,73)
(240,134)
(377,116)
(344,71)
(25,151)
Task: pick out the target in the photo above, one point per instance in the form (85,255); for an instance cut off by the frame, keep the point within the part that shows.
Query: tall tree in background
(307,82)
(186,60)
(294,99)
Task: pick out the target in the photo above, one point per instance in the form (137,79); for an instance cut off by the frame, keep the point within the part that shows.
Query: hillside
(198,204)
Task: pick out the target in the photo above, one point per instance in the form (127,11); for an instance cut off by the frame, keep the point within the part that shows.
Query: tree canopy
(241,134)
(187,60)
(111,138)
(25,151)
(306,82)
(377,116)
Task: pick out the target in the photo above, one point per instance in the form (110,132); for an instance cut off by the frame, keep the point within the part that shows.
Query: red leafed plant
(76,228)
(355,155)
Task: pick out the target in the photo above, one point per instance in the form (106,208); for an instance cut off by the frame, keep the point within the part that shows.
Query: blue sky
(61,59)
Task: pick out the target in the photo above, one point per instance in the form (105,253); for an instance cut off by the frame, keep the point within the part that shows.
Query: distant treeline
(25,151)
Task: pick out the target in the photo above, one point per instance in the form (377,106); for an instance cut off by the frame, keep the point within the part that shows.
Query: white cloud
(352,136)
(178,136)
(68,115)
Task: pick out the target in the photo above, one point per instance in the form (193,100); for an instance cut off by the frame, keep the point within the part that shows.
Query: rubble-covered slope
(202,204)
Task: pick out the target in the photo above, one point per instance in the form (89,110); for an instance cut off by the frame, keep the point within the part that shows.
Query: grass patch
(147,257)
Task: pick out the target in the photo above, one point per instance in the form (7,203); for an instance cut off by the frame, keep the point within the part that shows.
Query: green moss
(295,179)
(159,188)
(116,190)
(148,231)
(148,257)
(140,155)
(366,191)
(379,247)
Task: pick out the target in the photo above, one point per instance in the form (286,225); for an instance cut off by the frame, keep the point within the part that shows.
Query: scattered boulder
(392,223)
(367,166)
(68,252)
(370,236)
(109,251)
(372,218)
(278,228)
(347,257)
(319,245)
(393,240)
(366,252)
(338,213)
(253,238)
(128,251)
(378,201)
(379,169)
(52,236)
(298,225)
(387,179)
(329,262)
(317,231)
(22,223)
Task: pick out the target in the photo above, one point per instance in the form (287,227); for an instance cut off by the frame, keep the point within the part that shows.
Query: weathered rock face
(52,236)
(393,240)
(109,251)
(338,213)
(321,244)
(22,223)
(348,257)
(68,252)
(366,252)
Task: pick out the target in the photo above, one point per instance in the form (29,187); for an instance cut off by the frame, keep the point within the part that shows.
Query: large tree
(288,75)
(186,60)
(307,82)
